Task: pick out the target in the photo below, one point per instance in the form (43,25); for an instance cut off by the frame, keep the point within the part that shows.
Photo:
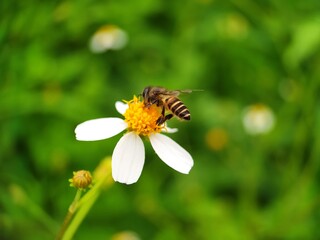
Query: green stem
(84,205)
(78,218)
(72,209)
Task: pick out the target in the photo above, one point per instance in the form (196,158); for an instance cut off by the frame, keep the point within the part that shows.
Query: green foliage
(241,53)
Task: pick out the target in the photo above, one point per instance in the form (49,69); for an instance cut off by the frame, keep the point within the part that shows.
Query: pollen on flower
(141,119)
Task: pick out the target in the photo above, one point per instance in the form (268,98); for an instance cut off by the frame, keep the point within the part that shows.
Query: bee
(168,100)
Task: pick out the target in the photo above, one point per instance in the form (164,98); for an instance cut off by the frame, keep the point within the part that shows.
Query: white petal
(121,107)
(98,129)
(128,159)
(169,130)
(171,153)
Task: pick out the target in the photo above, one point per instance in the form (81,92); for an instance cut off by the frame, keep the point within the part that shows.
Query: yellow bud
(81,179)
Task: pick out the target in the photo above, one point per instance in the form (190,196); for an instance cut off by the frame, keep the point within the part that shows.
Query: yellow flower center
(141,119)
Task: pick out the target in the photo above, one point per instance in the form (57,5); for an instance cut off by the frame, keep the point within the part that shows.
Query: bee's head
(146,96)
(145,92)
(150,96)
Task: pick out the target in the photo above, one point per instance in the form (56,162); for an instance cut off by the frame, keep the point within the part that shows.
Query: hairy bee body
(168,100)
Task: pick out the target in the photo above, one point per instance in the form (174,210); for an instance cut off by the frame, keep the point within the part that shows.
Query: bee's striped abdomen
(178,108)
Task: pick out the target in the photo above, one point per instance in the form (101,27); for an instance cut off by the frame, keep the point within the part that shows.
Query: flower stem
(84,204)
(80,207)
(80,215)
(72,209)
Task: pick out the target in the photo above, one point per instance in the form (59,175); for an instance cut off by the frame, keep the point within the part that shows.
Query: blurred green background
(253,134)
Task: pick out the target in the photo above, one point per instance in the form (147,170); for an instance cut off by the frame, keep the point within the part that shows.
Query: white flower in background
(258,119)
(108,37)
(128,155)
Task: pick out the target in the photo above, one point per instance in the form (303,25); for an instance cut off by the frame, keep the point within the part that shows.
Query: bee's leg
(168,117)
(162,118)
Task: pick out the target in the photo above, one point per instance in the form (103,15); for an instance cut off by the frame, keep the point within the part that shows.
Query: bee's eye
(145,91)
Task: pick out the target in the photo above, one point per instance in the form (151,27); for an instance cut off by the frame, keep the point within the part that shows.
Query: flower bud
(81,179)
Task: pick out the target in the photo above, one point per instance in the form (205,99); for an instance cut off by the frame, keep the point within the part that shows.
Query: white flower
(129,155)
(108,37)
(258,119)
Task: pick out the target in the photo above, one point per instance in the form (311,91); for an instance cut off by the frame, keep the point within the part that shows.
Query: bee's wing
(170,93)
(176,93)
(187,91)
